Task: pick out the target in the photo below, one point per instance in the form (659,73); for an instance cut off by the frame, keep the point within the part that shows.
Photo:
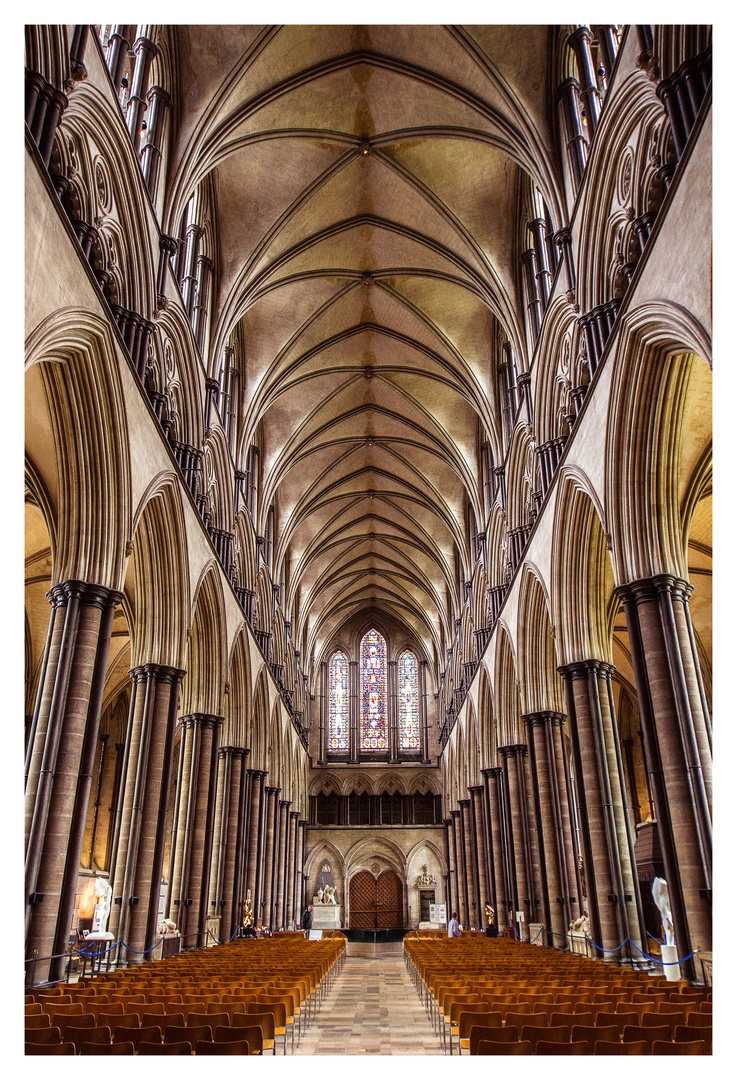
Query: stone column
(482,873)
(199,321)
(301,899)
(578,147)
(324,716)
(289,915)
(225,850)
(460,870)
(189,279)
(554,840)
(538,228)
(676,737)
(255,815)
(392,711)
(145,51)
(607,862)
(424,738)
(137,871)
(354,706)
(118,45)
(447,837)
(518,829)
(534,300)
(281,866)
(580,42)
(191,874)
(271,826)
(501,892)
(606,37)
(469,876)
(159,102)
(61,760)
(237,850)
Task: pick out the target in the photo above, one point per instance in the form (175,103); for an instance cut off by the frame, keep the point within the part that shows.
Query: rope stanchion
(601,949)
(101,952)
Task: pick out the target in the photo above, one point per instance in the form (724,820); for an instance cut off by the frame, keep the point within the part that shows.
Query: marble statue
(489,910)
(103,899)
(167,928)
(329,895)
(662,900)
(581,924)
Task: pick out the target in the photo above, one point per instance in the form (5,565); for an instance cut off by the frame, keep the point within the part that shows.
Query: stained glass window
(338,702)
(408,700)
(374,733)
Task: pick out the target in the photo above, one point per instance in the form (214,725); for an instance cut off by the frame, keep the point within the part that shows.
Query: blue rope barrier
(654,938)
(655,959)
(537,935)
(101,952)
(601,949)
(143,952)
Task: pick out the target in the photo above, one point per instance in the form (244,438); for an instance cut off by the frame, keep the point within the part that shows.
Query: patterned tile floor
(373,1008)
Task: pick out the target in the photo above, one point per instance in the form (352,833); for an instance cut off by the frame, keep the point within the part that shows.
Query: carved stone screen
(373,692)
(338,703)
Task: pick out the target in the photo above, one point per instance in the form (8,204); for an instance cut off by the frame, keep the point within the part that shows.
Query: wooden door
(390,908)
(363,901)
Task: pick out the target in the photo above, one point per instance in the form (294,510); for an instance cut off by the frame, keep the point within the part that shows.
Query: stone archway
(376,903)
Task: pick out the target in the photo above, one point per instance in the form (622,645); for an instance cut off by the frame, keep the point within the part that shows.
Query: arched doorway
(376,903)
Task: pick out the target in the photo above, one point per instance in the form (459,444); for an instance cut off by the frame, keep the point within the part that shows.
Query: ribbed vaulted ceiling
(367,185)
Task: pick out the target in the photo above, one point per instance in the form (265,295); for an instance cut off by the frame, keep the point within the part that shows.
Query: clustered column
(60,759)
(194,816)
(677,741)
(607,851)
(137,860)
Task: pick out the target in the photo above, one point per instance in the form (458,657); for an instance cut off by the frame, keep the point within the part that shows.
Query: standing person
(306,923)
(454,929)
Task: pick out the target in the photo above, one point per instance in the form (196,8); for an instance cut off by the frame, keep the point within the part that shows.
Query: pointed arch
(204,683)
(540,685)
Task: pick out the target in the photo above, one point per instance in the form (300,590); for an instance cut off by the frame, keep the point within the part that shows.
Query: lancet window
(338,702)
(374,733)
(408,701)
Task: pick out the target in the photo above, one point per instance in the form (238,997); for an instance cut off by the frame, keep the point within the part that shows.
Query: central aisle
(372,1009)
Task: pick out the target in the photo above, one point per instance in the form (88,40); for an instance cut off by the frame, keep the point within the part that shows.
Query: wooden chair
(172,1049)
(689,1049)
(242,1048)
(689,1034)
(138,1035)
(618,1020)
(520,1019)
(201,1033)
(109,1008)
(618,1049)
(54,1009)
(65,1022)
(53,1049)
(535,1034)
(252,1035)
(37,1020)
(278,1011)
(564,1049)
(699,1020)
(46,1036)
(590,1035)
(265,1021)
(107,1049)
(491,1034)
(34,1008)
(504,1049)
(78,1035)
(644,1034)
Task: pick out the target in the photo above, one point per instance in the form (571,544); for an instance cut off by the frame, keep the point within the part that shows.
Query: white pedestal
(671,970)
(536,935)
(578,944)
(326,917)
